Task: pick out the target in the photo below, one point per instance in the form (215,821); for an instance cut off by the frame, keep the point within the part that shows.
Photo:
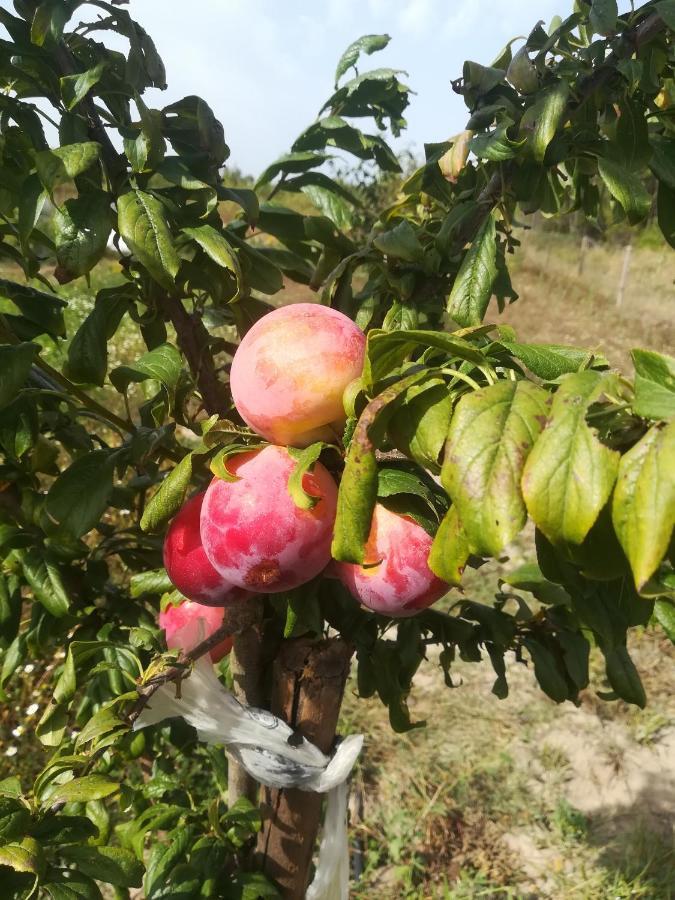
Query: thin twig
(238,617)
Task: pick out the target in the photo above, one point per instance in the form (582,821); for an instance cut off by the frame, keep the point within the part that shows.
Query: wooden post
(309,681)
(625,269)
(247,668)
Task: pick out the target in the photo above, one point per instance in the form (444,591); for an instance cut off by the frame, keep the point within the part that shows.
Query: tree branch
(193,340)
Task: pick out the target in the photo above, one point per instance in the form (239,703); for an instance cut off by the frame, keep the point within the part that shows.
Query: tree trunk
(246,666)
(309,681)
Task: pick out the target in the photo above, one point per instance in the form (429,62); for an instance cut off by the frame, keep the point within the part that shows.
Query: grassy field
(517,798)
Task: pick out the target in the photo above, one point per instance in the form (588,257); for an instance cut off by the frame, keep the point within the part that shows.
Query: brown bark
(309,681)
(193,340)
(247,669)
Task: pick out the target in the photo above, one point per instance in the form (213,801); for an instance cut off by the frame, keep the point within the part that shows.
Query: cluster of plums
(247,536)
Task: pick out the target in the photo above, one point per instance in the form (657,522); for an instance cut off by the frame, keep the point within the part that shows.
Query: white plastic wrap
(260,742)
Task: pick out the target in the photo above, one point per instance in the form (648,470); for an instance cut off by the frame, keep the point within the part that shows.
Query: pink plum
(396,580)
(188,624)
(255,535)
(186,563)
(291,370)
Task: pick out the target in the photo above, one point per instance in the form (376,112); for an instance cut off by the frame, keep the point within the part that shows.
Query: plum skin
(290,372)
(396,580)
(187,565)
(188,624)
(253,533)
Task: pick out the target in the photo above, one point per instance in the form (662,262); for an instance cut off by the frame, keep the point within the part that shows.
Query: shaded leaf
(627,188)
(16,361)
(80,495)
(471,292)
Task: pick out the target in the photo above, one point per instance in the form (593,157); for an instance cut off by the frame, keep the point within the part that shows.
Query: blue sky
(266,66)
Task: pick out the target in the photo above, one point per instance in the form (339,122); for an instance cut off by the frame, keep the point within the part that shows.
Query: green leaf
(31,204)
(664,613)
(143,224)
(450,549)
(15,364)
(71,885)
(643,509)
(26,856)
(665,208)
(358,487)
(243,197)
(662,161)
(472,289)
(623,676)
(491,435)
(45,582)
(546,671)
(305,460)
(632,146)
(260,273)
(603,17)
(81,230)
(368,43)
(10,787)
(170,496)
(164,856)
(569,474)
(328,201)
(291,163)
(163,364)
(49,20)
(56,167)
(627,189)
(216,246)
(15,820)
(666,9)
(401,242)
(113,865)
(497,145)
(387,350)
(75,88)
(420,426)
(654,384)
(88,351)
(545,117)
(45,311)
(548,361)
(80,495)
(80,790)
(154,582)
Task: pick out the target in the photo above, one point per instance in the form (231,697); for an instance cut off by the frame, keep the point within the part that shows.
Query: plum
(396,579)
(253,533)
(188,624)
(290,372)
(186,563)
